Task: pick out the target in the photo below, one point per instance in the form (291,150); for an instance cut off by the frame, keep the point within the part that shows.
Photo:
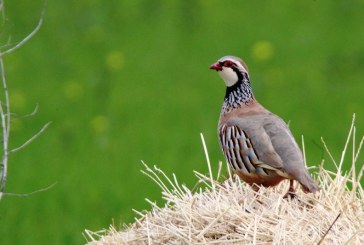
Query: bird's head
(231,69)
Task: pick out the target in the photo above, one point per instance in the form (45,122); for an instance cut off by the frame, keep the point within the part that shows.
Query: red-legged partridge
(257,144)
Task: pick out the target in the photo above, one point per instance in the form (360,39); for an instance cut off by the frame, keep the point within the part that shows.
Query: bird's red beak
(216,66)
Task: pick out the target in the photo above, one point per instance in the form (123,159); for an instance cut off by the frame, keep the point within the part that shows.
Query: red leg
(291,192)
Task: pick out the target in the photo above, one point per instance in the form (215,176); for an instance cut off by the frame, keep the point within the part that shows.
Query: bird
(257,144)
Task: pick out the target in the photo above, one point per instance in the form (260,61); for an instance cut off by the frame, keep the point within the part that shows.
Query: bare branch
(5,127)
(5,115)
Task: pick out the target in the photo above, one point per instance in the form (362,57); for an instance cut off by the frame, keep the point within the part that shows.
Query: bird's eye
(229,63)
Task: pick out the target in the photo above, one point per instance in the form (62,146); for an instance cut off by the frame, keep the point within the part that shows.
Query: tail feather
(308,184)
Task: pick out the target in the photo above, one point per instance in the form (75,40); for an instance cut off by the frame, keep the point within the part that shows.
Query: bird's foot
(290,194)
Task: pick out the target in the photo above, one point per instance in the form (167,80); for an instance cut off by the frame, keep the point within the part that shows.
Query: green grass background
(124,81)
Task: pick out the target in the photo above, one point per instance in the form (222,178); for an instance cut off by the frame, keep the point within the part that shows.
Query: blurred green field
(124,81)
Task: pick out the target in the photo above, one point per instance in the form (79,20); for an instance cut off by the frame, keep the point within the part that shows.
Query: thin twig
(346,143)
(204,230)
(27,38)
(31,193)
(304,150)
(219,170)
(328,152)
(353,167)
(31,139)
(322,239)
(208,161)
(35,110)
(359,149)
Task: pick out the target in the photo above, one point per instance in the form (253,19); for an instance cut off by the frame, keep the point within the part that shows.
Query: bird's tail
(307,183)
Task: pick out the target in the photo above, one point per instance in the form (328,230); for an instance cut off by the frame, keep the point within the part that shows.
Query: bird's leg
(291,192)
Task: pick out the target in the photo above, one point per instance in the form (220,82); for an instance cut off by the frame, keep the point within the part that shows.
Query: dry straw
(230,212)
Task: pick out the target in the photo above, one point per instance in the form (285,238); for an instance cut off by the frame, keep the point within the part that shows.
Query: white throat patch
(229,76)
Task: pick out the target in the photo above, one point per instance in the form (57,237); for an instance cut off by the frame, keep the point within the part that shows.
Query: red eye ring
(229,63)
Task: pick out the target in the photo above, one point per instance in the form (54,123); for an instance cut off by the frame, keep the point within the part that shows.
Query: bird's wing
(284,144)
(248,147)
(289,151)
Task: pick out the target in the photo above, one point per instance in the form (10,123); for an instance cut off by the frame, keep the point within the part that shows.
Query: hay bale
(231,212)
